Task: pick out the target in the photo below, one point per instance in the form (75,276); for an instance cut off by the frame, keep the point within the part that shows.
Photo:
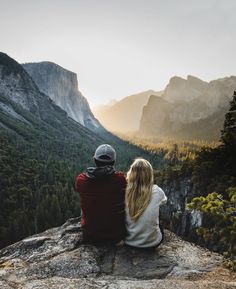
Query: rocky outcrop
(175,216)
(61,86)
(188,109)
(57,259)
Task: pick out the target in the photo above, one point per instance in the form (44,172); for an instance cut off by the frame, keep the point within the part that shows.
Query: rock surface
(61,85)
(23,105)
(57,258)
(188,109)
(17,85)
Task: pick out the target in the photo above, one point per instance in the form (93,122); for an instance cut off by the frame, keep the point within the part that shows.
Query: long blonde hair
(139,187)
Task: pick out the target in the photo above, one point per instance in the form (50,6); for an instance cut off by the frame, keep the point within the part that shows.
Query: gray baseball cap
(105,153)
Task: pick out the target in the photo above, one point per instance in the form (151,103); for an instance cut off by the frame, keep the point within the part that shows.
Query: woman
(143,200)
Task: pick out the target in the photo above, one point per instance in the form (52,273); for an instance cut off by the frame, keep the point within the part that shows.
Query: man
(102,198)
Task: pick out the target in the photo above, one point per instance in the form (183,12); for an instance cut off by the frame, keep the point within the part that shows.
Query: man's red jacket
(102,200)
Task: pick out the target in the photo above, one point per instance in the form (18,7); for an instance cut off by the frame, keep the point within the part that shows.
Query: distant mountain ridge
(124,115)
(61,85)
(188,108)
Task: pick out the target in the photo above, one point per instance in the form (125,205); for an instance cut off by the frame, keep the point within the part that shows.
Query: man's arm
(123,181)
(79,183)
(78,186)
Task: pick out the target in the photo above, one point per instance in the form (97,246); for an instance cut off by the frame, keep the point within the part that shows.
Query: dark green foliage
(215,171)
(222,211)
(35,194)
(229,131)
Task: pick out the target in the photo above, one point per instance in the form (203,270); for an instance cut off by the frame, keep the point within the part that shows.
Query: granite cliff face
(188,109)
(61,86)
(57,258)
(19,94)
(175,215)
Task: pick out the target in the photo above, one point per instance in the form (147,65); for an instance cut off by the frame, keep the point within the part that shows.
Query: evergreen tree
(229,131)
(216,169)
(222,210)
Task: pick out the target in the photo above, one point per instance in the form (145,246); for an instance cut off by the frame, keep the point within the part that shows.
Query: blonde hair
(139,187)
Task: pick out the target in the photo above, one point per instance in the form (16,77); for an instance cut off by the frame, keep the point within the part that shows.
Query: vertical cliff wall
(61,86)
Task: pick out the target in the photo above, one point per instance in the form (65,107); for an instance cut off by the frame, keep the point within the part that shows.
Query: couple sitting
(115,207)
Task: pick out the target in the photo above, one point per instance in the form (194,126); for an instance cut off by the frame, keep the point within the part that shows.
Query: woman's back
(145,232)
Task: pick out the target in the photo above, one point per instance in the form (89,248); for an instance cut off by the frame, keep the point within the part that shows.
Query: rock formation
(188,109)
(19,94)
(57,258)
(61,86)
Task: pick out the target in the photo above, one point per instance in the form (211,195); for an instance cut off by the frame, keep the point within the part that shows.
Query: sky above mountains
(121,47)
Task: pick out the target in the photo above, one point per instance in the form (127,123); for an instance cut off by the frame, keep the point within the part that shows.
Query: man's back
(102,200)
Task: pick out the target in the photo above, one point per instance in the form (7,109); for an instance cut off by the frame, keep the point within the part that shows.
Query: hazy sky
(120,47)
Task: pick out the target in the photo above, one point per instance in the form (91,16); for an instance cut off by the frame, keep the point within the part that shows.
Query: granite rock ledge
(57,258)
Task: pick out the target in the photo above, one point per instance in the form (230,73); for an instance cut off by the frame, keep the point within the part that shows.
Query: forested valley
(41,152)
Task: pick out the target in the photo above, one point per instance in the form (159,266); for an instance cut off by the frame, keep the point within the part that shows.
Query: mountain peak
(9,65)
(176,80)
(50,65)
(193,79)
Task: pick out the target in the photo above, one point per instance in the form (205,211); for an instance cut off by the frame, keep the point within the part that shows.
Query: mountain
(22,100)
(16,84)
(61,86)
(42,150)
(57,258)
(124,115)
(188,109)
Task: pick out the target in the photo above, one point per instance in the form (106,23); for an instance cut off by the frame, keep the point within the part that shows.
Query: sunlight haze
(119,48)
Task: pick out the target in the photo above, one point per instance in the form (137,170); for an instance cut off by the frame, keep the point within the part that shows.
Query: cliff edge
(57,258)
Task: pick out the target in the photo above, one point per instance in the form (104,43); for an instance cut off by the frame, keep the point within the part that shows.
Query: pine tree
(228,134)
(56,214)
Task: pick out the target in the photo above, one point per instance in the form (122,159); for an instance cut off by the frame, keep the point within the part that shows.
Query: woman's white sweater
(145,232)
